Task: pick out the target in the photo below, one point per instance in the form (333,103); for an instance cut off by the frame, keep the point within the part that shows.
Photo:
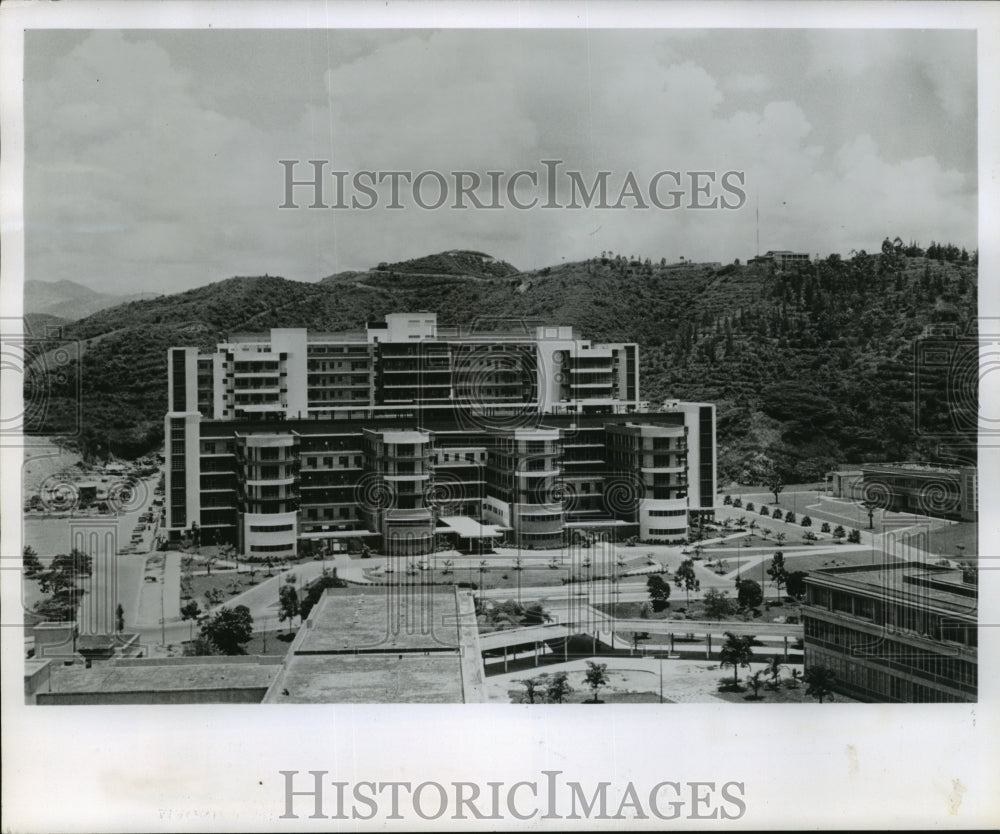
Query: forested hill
(809,368)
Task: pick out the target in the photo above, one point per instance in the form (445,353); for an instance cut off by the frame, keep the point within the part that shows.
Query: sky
(152,157)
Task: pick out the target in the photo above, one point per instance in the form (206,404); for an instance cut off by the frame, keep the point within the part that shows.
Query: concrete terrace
(163,681)
(408,645)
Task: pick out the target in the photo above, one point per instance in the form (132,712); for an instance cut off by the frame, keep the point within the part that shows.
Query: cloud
(147,172)
(747,83)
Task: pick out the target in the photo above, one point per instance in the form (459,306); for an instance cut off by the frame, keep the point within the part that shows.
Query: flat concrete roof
(404,618)
(370,679)
(469,528)
(214,673)
(925,585)
(412,644)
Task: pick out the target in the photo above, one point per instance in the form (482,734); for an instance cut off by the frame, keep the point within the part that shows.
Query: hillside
(809,369)
(71,301)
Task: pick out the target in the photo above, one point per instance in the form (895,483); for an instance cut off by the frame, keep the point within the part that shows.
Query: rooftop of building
(919,583)
(407,618)
(915,467)
(370,679)
(411,644)
(167,674)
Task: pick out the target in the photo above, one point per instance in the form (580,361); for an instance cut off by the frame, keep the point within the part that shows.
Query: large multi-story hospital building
(406,432)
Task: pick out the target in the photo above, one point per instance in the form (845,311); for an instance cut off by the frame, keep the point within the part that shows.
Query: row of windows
(270,548)
(662,513)
(881,649)
(315,513)
(879,684)
(271,528)
(667,531)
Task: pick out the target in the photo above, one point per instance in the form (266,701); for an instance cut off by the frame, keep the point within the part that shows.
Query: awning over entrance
(468,528)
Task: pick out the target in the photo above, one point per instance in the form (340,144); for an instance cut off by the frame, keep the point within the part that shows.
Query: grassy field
(228,583)
(945,541)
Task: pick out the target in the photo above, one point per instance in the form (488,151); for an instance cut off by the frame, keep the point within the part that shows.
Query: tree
(31,563)
(229,629)
(795,583)
(779,539)
(558,688)
(314,591)
(854,537)
(534,613)
(288,604)
(736,652)
(727,500)
(596,676)
(718,604)
(825,527)
(60,581)
(532,686)
(774,670)
(191,611)
(748,594)
(773,480)
(684,577)
(819,682)
(838,533)
(806,521)
(765,511)
(790,517)
(659,592)
(750,507)
(778,572)
(756,680)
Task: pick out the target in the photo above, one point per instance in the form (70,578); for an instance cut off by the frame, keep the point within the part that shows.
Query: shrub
(806,521)
(825,528)
(790,517)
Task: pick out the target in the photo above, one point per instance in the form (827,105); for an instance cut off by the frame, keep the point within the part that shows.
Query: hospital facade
(405,434)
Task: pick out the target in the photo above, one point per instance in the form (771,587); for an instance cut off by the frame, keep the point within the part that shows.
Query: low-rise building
(922,488)
(901,632)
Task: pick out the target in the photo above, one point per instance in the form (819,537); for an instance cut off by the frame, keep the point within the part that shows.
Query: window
(271,528)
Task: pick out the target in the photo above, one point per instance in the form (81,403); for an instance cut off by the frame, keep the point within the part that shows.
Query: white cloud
(138,180)
(747,83)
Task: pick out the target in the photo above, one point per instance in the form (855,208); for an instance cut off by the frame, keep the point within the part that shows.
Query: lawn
(227,582)
(945,541)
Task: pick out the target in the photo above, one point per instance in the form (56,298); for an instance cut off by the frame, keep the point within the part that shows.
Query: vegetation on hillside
(811,367)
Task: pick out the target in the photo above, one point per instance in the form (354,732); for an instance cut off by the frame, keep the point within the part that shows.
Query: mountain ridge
(809,368)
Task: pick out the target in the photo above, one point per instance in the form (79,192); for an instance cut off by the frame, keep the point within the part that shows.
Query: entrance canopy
(468,528)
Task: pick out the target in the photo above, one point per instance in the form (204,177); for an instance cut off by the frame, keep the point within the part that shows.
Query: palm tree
(448,563)
(819,681)
(736,652)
